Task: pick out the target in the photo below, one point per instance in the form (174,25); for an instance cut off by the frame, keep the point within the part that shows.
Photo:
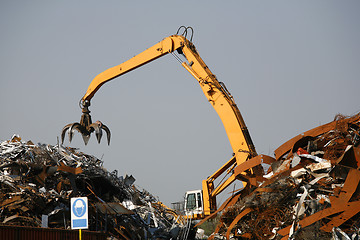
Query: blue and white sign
(79,213)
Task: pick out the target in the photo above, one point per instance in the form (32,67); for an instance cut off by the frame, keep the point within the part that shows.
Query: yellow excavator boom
(215,92)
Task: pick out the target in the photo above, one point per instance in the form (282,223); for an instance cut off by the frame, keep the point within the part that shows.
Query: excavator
(245,164)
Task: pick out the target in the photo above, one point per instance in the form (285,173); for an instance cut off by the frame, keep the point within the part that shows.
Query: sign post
(79,213)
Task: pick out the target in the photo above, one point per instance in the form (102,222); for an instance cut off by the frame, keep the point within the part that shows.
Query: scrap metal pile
(37,182)
(311,190)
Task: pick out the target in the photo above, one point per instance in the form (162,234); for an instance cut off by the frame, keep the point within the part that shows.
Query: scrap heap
(311,190)
(37,182)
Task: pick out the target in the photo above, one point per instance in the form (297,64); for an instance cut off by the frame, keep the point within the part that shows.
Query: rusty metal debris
(37,182)
(311,190)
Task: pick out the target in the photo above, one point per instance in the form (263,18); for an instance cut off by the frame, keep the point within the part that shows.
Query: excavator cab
(194,206)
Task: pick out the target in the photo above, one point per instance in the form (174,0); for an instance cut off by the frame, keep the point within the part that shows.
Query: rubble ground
(38,181)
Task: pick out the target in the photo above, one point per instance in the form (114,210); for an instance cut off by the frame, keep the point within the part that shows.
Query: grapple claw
(108,134)
(70,133)
(86,138)
(74,126)
(97,128)
(63,132)
(86,127)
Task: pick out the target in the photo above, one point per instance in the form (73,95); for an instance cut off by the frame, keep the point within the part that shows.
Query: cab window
(199,205)
(190,201)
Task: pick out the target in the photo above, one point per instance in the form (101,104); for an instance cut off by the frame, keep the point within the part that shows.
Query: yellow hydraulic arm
(215,91)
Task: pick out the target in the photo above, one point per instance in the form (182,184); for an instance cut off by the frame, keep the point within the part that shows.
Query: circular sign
(79,207)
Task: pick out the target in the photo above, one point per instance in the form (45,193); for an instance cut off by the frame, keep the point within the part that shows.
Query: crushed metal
(37,182)
(311,190)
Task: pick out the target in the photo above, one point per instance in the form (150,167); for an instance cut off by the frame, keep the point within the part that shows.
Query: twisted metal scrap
(324,163)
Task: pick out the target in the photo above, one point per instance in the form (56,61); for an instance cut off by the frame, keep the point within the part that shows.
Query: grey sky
(290,65)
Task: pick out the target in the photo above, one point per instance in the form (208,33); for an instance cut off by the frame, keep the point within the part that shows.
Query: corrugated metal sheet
(29,233)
